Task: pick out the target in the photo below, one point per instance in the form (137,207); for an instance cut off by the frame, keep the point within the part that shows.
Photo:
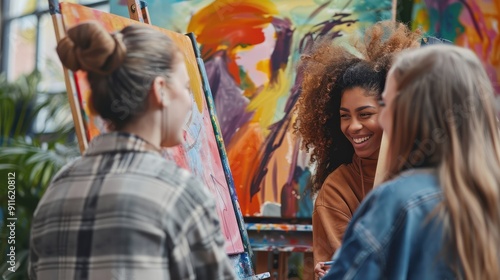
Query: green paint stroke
(446,24)
(372,10)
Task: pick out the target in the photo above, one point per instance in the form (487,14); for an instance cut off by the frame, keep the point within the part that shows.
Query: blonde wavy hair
(444,117)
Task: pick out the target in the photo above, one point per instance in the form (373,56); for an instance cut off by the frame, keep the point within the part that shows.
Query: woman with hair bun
(337,120)
(122,211)
(437,215)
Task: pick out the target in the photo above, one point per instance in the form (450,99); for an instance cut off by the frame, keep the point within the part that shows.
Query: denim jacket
(394,234)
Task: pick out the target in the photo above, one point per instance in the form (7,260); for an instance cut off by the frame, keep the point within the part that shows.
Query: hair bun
(90,47)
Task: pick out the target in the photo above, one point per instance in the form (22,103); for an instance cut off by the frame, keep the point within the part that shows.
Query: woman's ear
(159,92)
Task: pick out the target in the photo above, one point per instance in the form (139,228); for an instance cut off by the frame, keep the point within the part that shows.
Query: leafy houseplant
(32,157)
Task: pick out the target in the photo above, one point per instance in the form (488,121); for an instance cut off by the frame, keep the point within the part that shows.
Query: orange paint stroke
(226,24)
(242,155)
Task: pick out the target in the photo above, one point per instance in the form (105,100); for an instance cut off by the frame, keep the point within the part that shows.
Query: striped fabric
(124,212)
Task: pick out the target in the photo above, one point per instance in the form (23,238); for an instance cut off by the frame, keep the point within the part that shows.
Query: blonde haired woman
(437,216)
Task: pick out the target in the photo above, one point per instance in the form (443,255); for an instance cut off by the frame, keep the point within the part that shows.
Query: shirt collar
(119,142)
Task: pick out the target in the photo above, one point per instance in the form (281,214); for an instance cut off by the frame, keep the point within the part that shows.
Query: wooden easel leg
(261,262)
(134,10)
(283,265)
(70,88)
(145,12)
(274,264)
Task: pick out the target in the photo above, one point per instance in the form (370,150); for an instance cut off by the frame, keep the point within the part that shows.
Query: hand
(321,269)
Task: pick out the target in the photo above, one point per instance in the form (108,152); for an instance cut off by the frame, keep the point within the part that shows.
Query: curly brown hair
(330,69)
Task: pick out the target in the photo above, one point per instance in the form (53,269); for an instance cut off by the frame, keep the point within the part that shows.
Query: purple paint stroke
(263,194)
(278,130)
(275,181)
(295,157)
(318,10)
(289,205)
(325,30)
(282,49)
(229,101)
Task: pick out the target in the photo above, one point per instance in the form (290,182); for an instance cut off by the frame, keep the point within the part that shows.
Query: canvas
(473,24)
(200,152)
(251,51)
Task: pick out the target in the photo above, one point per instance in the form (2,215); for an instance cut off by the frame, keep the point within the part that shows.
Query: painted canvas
(473,24)
(251,51)
(200,152)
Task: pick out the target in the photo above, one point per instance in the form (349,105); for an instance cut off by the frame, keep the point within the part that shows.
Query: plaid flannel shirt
(124,212)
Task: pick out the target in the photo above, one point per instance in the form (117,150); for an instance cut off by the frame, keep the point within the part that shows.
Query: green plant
(34,157)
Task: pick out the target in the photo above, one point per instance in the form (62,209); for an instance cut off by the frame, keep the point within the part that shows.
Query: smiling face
(358,122)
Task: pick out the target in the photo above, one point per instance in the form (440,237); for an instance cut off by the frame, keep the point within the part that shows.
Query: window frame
(5,29)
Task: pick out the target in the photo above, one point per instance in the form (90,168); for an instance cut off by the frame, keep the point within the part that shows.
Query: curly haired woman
(337,120)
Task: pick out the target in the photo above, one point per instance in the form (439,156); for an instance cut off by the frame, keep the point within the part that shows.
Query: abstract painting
(251,50)
(473,24)
(199,153)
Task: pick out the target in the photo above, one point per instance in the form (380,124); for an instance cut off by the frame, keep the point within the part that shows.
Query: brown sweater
(337,200)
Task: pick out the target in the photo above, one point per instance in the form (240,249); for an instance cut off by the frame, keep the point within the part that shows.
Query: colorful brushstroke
(200,152)
(282,237)
(278,227)
(473,24)
(251,50)
(241,263)
(220,145)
